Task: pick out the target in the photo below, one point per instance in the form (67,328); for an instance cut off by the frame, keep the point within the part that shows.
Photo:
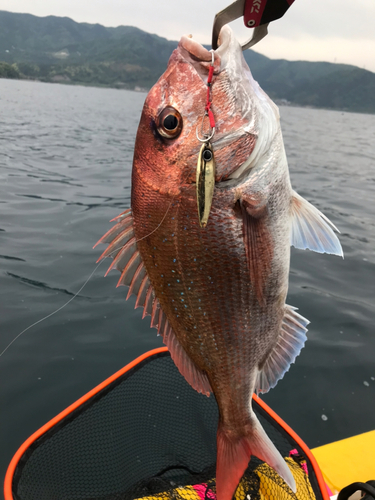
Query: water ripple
(44,286)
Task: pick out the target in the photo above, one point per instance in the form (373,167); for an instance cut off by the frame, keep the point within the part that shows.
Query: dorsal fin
(118,243)
(126,258)
(122,257)
(155,314)
(142,294)
(128,274)
(137,280)
(124,220)
(147,311)
(125,214)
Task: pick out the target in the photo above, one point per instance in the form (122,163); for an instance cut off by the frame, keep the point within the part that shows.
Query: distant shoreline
(277,101)
(66,81)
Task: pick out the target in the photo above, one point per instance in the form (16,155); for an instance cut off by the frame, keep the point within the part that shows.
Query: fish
(216,294)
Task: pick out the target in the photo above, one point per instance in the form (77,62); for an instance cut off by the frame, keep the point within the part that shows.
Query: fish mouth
(233,145)
(201,58)
(196,50)
(234,141)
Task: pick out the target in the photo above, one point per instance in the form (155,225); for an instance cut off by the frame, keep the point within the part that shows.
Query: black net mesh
(146,434)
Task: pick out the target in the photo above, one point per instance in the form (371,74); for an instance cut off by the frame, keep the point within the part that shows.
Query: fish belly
(201,278)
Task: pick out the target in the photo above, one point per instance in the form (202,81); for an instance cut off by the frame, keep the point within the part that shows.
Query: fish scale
(212,305)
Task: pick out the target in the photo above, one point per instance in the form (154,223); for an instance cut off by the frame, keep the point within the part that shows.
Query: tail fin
(234,453)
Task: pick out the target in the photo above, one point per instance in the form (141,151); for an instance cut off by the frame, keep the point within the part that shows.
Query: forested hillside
(57,49)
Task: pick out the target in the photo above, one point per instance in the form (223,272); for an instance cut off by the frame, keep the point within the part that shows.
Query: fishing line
(157,227)
(161,222)
(52,313)
(85,283)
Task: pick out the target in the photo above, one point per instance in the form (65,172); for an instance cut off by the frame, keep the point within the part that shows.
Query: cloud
(325,19)
(311,29)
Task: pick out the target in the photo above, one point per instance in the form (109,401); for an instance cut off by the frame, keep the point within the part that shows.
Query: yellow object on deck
(271,487)
(347,461)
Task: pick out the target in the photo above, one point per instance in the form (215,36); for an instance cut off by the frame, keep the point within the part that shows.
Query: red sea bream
(217,294)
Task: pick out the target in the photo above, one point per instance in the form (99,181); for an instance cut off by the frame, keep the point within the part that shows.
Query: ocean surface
(65,167)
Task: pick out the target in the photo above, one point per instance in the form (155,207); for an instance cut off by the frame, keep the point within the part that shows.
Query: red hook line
(208,105)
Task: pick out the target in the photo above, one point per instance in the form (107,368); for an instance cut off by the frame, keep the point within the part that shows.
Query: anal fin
(290,342)
(192,374)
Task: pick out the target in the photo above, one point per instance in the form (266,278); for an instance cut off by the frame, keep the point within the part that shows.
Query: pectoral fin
(311,229)
(259,249)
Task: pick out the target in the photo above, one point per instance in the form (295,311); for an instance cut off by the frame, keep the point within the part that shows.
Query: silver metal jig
(205,182)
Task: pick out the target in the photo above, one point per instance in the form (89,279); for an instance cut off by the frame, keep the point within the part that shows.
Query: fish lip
(195,53)
(195,49)
(200,52)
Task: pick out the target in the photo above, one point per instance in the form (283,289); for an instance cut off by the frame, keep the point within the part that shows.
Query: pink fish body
(217,294)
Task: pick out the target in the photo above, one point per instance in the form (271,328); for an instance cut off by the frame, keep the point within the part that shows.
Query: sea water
(65,170)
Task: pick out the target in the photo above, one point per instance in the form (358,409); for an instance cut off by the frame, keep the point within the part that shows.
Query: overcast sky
(340,31)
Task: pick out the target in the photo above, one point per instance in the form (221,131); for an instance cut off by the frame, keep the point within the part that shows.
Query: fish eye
(169,123)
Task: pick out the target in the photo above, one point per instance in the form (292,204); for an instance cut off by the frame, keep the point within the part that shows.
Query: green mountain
(57,49)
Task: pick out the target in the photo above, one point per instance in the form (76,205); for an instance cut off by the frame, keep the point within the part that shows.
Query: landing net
(146,434)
